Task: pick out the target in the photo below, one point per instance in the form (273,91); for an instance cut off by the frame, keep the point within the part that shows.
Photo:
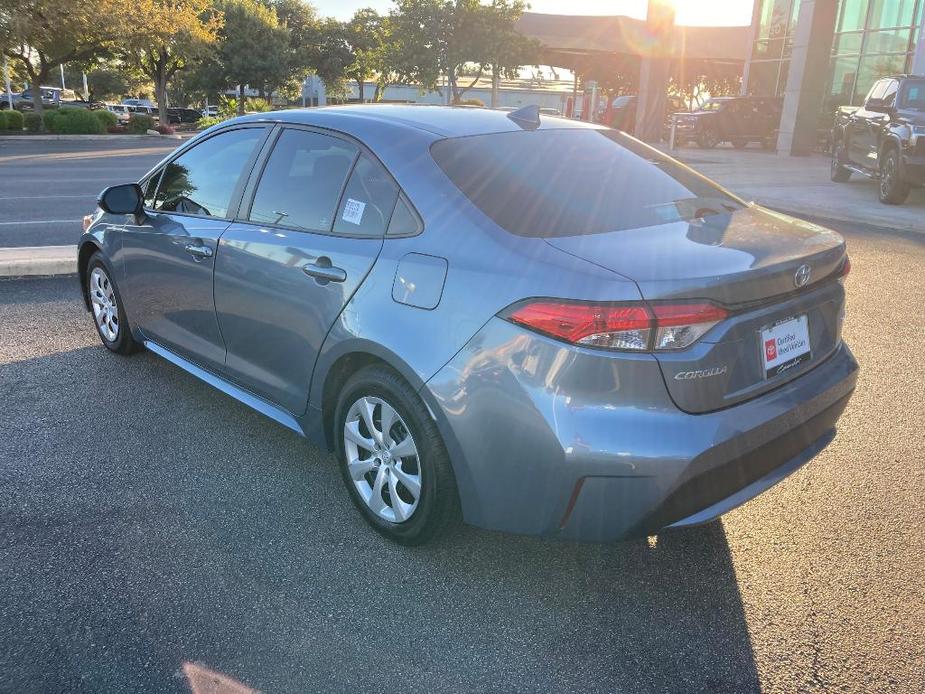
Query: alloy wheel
(886,177)
(103,301)
(382,459)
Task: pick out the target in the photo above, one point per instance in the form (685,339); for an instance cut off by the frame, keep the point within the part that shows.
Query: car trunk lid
(773,273)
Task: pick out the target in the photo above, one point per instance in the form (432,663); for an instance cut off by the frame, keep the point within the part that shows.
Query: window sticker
(353,211)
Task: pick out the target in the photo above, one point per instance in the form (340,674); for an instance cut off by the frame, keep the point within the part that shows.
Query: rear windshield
(551,183)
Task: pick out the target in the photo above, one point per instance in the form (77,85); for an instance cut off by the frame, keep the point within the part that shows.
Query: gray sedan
(532,324)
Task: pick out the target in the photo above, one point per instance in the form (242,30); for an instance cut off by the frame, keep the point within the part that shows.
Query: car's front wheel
(107,308)
(392,458)
(838,172)
(708,139)
(893,189)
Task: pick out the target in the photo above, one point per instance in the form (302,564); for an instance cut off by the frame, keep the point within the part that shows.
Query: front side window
(569,182)
(149,188)
(202,180)
(368,201)
(302,181)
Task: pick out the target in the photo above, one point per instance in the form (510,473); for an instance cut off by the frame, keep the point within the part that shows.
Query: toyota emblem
(803,273)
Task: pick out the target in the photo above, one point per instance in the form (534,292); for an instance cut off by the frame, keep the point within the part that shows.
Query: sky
(704,12)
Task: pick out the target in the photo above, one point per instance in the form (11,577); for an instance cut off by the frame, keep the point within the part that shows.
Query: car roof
(442,121)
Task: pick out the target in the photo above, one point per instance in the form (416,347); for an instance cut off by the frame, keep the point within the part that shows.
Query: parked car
(885,138)
(22,101)
(143,103)
(542,324)
(736,119)
(183,115)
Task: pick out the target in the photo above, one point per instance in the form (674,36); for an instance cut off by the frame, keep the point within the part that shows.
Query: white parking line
(43,221)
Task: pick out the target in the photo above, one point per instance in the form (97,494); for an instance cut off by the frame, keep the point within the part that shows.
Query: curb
(31,261)
(828,217)
(85,138)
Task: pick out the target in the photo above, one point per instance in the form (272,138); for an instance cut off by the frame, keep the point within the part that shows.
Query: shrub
(32,121)
(3,125)
(140,123)
(74,121)
(469,102)
(14,120)
(107,118)
(165,129)
(48,118)
(208,122)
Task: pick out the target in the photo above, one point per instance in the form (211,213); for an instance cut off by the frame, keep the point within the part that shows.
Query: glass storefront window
(774,21)
(885,14)
(847,43)
(844,74)
(890,41)
(853,15)
(873,67)
(762,78)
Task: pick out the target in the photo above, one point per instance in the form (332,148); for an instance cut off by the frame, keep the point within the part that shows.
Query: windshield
(912,95)
(552,183)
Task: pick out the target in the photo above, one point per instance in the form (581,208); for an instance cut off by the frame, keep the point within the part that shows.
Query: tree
(365,34)
(40,35)
(302,26)
(250,45)
(174,34)
(432,38)
(106,79)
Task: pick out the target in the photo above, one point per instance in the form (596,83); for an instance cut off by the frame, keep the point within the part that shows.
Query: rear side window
(550,183)
(368,201)
(302,181)
(202,180)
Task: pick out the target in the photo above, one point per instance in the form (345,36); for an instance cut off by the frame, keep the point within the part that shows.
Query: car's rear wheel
(392,459)
(839,173)
(107,308)
(708,139)
(893,189)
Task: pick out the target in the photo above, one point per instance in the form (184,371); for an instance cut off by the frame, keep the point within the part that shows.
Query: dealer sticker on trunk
(785,345)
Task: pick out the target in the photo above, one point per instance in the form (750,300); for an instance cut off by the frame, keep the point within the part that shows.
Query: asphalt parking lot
(47,186)
(154,531)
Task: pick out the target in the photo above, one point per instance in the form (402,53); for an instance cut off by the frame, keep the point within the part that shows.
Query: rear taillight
(637,326)
(845,268)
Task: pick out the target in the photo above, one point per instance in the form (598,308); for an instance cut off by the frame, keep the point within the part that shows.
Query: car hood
(748,255)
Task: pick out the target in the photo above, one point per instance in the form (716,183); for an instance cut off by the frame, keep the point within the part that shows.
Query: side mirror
(122,199)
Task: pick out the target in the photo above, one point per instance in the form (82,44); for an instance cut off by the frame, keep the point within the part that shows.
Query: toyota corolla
(532,324)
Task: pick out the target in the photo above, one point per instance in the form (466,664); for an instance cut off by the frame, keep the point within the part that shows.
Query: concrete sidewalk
(801,185)
(38,260)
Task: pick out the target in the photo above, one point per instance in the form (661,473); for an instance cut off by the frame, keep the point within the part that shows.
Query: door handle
(199,250)
(322,270)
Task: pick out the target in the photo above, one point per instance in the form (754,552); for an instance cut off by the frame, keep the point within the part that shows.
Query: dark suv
(885,138)
(735,119)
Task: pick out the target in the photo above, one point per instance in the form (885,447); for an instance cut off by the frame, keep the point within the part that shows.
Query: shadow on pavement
(147,521)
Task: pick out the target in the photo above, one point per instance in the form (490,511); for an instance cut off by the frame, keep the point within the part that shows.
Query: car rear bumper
(547,439)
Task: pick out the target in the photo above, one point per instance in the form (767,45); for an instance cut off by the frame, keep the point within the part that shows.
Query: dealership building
(816,54)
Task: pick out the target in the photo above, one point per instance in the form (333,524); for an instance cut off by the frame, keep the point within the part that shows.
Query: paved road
(47,186)
(153,529)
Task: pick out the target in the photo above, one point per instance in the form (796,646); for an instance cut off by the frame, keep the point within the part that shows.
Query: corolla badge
(801,278)
(703,373)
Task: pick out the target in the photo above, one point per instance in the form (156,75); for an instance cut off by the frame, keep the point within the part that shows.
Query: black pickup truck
(885,138)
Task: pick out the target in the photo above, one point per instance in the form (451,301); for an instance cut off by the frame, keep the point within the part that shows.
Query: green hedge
(208,122)
(107,118)
(14,120)
(33,121)
(3,125)
(140,123)
(74,121)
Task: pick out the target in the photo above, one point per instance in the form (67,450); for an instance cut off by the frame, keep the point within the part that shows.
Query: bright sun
(713,12)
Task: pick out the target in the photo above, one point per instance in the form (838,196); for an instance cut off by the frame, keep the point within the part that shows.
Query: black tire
(708,139)
(893,190)
(837,172)
(123,343)
(437,507)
